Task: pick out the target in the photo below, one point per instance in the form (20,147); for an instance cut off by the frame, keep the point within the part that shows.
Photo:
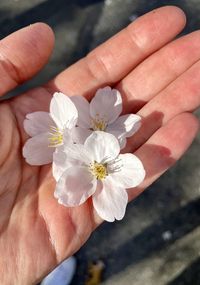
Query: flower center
(99,124)
(56,137)
(99,170)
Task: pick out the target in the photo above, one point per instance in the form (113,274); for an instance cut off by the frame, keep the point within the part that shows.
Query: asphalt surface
(158,242)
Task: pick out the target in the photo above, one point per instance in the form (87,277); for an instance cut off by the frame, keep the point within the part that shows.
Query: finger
(23,54)
(111,61)
(159,70)
(165,147)
(180,96)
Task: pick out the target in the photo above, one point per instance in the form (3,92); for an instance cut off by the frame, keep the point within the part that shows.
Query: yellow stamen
(56,137)
(99,124)
(99,170)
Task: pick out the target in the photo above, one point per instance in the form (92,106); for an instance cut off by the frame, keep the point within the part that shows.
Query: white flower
(96,169)
(102,114)
(49,130)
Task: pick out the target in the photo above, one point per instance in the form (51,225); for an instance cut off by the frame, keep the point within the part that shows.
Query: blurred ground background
(158,242)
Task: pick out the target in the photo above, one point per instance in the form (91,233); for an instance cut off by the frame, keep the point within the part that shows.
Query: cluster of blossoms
(83,141)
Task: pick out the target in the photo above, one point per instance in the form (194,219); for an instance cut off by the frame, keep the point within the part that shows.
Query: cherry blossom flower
(49,130)
(103,114)
(96,169)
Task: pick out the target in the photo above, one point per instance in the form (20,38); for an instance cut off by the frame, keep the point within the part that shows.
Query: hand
(158,78)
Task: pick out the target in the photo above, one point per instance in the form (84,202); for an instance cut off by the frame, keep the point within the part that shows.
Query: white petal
(83,108)
(67,138)
(75,186)
(60,163)
(102,146)
(107,104)
(63,111)
(36,150)
(110,201)
(132,172)
(125,126)
(122,142)
(37,123)
(70,156)
(79,135)
(78,153)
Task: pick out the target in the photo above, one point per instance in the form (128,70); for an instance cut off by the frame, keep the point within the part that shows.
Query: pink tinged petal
(37,123)
(75,186)
(110,201)
(102,146)
(122,142)
(60,163)
(67,138)
(79,135)
(36,150)
(106,104)
(69,156)
(77,154)
(132,172)
(125,126)
(63,111)
(83,108)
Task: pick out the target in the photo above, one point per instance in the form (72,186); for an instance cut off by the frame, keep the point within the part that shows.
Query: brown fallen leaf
(95,271)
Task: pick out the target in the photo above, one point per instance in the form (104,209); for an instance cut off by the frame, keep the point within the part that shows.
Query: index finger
(111,61)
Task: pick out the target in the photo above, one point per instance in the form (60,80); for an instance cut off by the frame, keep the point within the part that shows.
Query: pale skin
(159,78)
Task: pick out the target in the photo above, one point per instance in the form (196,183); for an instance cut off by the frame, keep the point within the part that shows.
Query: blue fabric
(61,275)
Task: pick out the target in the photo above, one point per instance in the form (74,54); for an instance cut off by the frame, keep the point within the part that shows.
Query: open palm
(158,78)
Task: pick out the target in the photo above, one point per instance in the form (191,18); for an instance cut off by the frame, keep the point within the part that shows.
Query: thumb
(23,54)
